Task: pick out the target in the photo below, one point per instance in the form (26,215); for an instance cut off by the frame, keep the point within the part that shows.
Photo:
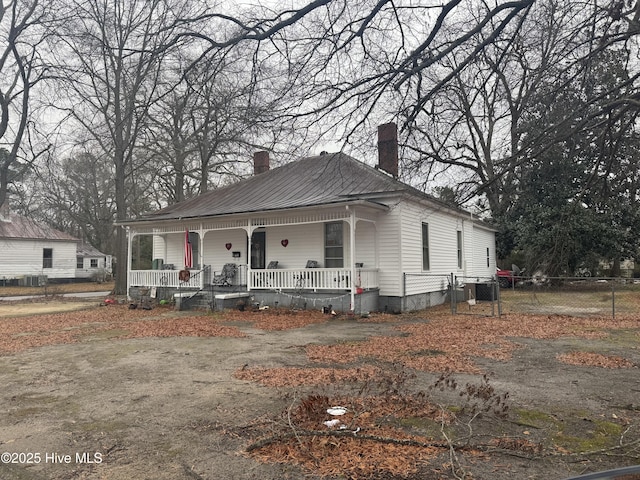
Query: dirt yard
(113,393)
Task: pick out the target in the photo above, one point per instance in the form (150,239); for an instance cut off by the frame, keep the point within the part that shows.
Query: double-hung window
(459,243)
(333,245)
(425,247)
(47,258)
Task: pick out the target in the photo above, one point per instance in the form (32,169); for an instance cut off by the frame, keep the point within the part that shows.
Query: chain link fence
(577,296)
(423,290)
(490,296)
(475,296)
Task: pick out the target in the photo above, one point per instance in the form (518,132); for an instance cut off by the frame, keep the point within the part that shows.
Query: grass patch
(600,435)
(572,431)
(535,419)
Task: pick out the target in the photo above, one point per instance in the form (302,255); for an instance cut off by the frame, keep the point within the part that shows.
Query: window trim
(459,246)
(47,260)
(330,260)
(426,260)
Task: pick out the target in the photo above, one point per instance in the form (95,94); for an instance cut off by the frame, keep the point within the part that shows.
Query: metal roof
(86,250)
(22,228)
(311,181)
(326,179)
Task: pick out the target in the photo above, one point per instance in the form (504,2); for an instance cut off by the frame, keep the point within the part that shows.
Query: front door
(258,251)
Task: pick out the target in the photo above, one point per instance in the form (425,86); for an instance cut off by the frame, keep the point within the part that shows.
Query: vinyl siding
(24,257)
(87,271)
(443,257)
(305,242)
(389,256)
(366,244)
(483,239)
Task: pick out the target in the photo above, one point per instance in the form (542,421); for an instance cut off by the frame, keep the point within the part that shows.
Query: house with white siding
(32,253)
(323,230)
(92,264)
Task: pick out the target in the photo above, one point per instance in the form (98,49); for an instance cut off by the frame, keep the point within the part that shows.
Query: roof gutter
(151,220)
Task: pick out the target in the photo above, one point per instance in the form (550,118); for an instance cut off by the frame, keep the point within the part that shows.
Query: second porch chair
(226,276)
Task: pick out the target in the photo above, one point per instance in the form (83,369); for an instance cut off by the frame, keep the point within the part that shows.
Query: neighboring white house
(30,251)
(91,263)
(365,231)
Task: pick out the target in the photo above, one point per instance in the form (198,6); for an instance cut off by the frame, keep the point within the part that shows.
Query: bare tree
(77,195)
(24,25)
(199,131)
(351,63)
(113,54)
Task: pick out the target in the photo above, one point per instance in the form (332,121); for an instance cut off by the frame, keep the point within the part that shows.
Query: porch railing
(170,278)
(312,279)
(276,279)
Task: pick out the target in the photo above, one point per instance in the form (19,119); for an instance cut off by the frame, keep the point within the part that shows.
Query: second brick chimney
(388,148)
(260,162)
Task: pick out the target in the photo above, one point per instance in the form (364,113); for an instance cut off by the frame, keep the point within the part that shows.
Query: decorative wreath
(184,275)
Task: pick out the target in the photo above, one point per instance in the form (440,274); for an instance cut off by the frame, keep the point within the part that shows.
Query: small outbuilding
(33,253)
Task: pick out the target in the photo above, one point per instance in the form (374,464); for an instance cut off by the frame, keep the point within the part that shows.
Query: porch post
(249,246)
(201,255)
(129,260)
(352,243)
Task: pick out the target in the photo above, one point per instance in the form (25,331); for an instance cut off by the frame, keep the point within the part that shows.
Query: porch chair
(312,264)
(226,276)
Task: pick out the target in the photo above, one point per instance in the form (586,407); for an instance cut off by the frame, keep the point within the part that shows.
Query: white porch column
(352,243)
(201,255)
(129,260)
(249,230)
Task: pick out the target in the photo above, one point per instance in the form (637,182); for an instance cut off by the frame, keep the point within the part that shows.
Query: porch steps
(193,301)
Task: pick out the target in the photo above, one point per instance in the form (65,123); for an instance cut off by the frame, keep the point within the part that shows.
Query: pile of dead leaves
(21,333)
(297,376)
(591,359)
(448,343)
(363,441)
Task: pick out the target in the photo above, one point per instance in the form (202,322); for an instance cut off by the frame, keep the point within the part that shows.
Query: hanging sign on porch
(284,242)
(228,246)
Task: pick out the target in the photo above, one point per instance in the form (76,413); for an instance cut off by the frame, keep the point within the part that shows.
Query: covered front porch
(323,251)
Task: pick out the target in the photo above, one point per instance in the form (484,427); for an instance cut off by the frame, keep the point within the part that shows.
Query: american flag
(188,251)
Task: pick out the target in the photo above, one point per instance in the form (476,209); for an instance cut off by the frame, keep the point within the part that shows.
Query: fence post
(498,299)
(452,292)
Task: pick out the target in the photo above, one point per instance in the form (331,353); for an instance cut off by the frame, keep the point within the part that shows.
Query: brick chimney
(388,148)
(260,162)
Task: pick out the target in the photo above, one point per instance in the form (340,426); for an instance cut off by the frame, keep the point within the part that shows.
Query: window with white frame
(488,256)
(425,247)
(94,263)
(459,243)
(47,258)
(333,245)
(79,262)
